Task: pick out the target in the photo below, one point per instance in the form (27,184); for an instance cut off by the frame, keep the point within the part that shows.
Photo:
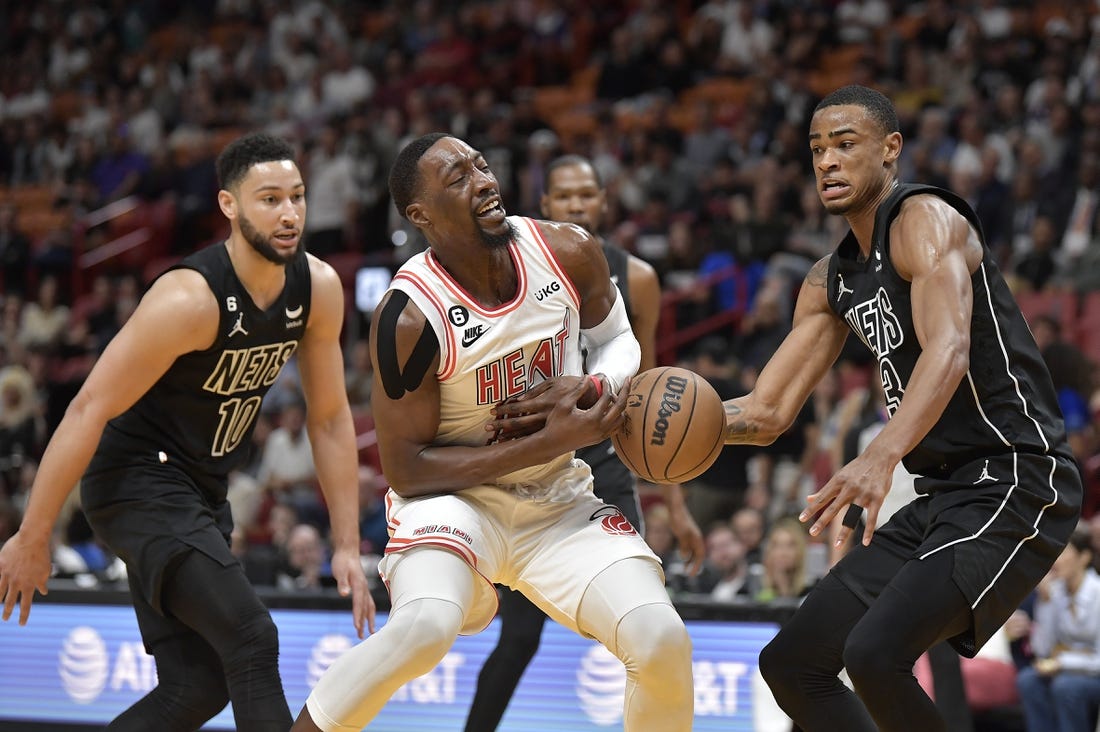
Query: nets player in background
(166,414)
(972,413)
(574,193)
(499,308)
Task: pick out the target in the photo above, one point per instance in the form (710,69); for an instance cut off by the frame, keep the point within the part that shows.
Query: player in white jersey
(498,309)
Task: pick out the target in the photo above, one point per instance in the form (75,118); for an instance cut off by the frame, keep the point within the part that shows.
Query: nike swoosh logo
(292,314)
(468,338)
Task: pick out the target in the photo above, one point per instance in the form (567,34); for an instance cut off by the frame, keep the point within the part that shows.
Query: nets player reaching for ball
(973,414)
(496,305)
(573,193)
(160,422)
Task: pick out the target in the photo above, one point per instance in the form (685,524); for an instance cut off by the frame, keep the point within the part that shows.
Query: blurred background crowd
(695,115)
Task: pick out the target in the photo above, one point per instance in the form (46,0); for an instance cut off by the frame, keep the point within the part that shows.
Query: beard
(263,246)
(498,241)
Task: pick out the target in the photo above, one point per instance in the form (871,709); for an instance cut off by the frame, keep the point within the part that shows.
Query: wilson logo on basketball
(675,386)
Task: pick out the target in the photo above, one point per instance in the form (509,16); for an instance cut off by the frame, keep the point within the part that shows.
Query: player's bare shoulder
(322,275)
(814,294)
(579,253)
(403,344)
(181,301)
(326,311)
(818,276)
(926,228)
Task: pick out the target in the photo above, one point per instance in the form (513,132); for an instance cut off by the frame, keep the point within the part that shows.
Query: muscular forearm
(336,458)
(451,468)
(935,378)
(747,424)
(66,457)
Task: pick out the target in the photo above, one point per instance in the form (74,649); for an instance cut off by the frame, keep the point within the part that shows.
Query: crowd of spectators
(694,113)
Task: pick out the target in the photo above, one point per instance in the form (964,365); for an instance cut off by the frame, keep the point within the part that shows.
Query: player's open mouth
(492,210)
(834,189)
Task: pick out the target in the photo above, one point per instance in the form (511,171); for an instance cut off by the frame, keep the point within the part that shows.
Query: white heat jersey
(489,354)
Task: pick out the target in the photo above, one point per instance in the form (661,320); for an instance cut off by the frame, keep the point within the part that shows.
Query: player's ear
(227,202)
(544,206)
(414,212)
(893,144)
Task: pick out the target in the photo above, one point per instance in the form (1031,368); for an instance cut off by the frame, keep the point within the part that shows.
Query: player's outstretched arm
(787,380)
(177,315)
(405,401)
(332,436)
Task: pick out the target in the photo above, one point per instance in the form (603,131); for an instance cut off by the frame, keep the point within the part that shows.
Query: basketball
(675,424)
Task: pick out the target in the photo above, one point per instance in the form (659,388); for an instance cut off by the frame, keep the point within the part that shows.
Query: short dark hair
(244,152)
(405,173)
(879,106)
(562,161)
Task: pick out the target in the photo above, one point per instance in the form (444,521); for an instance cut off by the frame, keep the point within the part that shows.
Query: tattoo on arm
(738,429)
(819,274)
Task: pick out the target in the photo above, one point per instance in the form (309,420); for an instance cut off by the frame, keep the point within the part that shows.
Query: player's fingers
(872,522)
(695,559)
(825,517)
(4,597)
(525,423)
(358,612)
(371,609)
(25,606)
(10,596)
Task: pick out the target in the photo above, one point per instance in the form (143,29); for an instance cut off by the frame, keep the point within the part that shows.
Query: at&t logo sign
(82,665)
(86,667)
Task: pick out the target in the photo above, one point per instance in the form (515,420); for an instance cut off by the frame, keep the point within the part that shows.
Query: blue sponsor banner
(83,664)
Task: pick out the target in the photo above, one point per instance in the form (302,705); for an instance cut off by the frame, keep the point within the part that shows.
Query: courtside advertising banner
(83,664)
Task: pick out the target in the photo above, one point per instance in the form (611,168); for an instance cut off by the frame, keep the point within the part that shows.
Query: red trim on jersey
(464,297)
(462,550)
(391,522)
(552,260)
(420,284)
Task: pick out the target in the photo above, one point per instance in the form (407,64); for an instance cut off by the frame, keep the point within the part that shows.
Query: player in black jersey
(972,413)
(162,419)
(574,193)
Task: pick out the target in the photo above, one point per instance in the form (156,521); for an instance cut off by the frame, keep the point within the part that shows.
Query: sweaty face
(573,195)
(272,210)
(460,198)
(852,158)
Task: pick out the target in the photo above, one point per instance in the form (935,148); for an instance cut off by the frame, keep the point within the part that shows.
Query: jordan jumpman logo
(843,289)
(238,327)
(985,474)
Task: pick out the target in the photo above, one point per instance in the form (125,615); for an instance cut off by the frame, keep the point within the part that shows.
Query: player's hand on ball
(526,413)
(561,401)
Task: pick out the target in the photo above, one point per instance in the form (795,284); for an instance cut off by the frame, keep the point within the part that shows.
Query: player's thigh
(623,587)
(575,544)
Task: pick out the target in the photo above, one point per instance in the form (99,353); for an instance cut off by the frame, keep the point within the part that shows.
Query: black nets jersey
(200,414)
(1005,402)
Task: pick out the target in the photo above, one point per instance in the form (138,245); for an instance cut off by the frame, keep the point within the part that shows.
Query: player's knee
(778,662)
(259,634)
(652,638)
(868,665)
(192,700)
(433,627)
